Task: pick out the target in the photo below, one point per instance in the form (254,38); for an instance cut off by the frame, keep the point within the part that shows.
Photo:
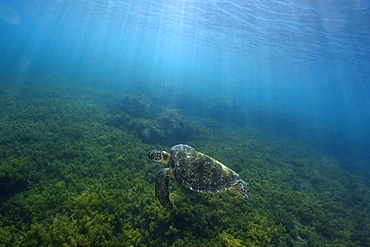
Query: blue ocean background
(303,62)
(294,68)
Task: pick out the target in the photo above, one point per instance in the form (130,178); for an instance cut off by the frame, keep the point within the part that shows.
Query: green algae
(75,179)
(149,122)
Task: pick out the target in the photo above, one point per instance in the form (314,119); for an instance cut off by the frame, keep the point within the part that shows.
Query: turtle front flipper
(162,192)
(241,190)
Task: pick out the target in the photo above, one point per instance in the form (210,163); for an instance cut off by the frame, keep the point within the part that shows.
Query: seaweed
(136,105)
(176,127)
(150,122)
(78,175)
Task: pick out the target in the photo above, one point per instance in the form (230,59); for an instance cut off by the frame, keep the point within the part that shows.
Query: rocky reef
(152,123)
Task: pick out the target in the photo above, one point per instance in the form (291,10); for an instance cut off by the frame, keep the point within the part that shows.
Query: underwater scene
(218,123)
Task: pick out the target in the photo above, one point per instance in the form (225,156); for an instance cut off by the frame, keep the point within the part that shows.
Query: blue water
(295,63)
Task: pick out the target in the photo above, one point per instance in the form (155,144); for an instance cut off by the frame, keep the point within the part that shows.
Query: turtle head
(159,156)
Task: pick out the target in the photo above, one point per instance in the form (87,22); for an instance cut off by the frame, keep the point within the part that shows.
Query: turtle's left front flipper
(240,189)
(162,187)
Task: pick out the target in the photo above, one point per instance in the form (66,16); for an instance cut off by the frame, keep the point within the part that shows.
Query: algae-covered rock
(150,122)
(136,105)
(175,126)
(147,130)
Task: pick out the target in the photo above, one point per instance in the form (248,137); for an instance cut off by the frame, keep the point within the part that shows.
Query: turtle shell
(199,172)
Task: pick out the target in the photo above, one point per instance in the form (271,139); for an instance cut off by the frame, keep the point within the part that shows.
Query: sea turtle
(196,171)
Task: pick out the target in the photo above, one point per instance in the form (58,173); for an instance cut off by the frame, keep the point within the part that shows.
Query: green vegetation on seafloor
(74,172)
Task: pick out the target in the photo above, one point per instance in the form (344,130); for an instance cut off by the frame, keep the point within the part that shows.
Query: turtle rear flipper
(241,190)
(162,192)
